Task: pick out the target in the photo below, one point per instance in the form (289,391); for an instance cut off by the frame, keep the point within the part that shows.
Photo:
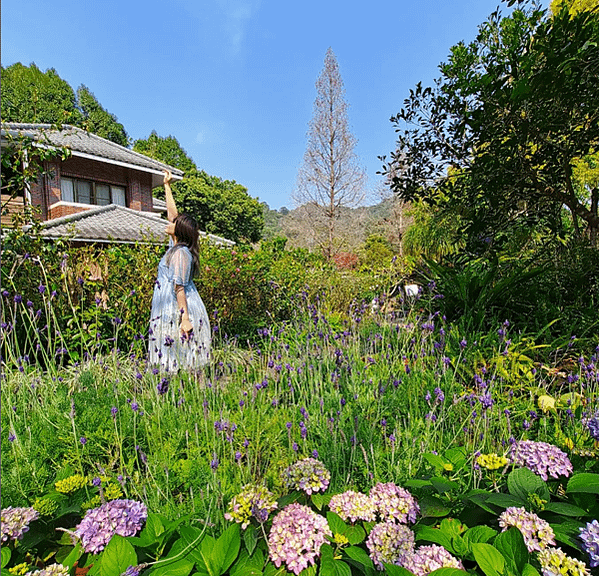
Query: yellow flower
(492,461)
(45,506)
(341,539)
(546,403)
(19,569)
(71,484)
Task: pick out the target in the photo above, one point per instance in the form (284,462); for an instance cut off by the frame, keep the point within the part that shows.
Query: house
(102,192)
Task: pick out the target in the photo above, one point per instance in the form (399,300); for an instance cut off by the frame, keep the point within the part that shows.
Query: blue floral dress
(166,347)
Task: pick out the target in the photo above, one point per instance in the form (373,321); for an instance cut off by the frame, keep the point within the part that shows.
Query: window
(86,192)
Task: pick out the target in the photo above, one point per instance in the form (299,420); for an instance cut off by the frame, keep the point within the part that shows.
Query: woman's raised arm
(171,208)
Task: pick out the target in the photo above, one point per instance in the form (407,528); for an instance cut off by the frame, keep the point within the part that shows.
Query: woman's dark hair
(187,233)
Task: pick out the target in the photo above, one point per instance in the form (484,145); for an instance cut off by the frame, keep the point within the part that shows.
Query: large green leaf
(174,564)
(433,535)
(329,566)
(511,545)
(489,559)
(226,548)
(117,557)
(479,534)
(565,509)
(5,552)
(247,565)
(522,482)
(583,482)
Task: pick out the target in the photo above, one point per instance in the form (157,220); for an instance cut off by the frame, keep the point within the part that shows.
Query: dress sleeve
(181,267)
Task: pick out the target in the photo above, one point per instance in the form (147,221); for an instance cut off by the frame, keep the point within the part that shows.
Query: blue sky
(233,80)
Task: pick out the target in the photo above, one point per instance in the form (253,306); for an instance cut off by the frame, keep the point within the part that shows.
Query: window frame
(93,195)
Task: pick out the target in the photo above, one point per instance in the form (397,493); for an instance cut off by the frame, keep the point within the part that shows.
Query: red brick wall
(65,210)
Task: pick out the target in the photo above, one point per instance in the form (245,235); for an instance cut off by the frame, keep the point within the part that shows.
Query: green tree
(499,136)
(30,95)
(97,120)
(221,207)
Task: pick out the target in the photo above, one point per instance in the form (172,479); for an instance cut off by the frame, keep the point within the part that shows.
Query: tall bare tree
(330,177)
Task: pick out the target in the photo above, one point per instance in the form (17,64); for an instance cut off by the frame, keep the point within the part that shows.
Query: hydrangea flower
(537,533)
(390,542)
(543,459)
(590,538)
(52,570)
(394,503)
(71,484)
(122,517)
(554,562)
(353,506)
(308,475)
(15,522)
(254,501)
(295,538)
(429,558)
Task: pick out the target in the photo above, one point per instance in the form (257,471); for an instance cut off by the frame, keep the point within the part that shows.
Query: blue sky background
(233,80)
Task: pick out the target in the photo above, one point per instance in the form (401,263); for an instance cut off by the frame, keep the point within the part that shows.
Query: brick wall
(46,191)
(66,209)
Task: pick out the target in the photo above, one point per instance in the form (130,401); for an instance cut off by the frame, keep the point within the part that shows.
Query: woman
(179,325)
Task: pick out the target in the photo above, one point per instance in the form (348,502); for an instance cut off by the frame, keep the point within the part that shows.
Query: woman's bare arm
(185,326)
(171,208)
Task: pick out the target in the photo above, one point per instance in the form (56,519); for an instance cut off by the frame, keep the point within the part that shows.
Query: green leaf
(505,500)
(360,556)
(479,534)
(71,557)
(489,559)
(329,566)
(5,552)
(565,509)
(336,524)
(436,461)
(247,565)
(319,500)
(190,535)
(522,481)
(530,570)
(459,546)
(457,456)
(433,507)
(511,545)
(151,534)
(416,483)
(583,482)
(355,534)
(480,497)
(226,548)
(117,557)
(250,538)
(172,565)
(442,485)
(393,570)
(433,535)
(447,572)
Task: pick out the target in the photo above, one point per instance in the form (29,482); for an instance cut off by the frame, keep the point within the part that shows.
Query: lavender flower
(429,558)
(390,542)
(353,506)
(555,562)
(593,426)
(308,475)
(590,538)
(537,533)
(394,503)
(252,501)
(122,517)
(295,538)
(543,459)
(15,522)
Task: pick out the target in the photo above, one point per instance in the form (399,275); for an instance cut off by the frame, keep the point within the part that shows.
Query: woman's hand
(168,176)
(185,328)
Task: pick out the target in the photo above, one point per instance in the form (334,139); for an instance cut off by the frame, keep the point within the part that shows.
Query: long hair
(187,233)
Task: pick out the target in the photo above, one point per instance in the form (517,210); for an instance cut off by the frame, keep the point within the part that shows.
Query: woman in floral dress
(179,326)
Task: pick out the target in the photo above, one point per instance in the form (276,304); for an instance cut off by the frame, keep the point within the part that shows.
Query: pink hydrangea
(537,533)
(353,506)
(390,542)
(99,525)
(308,475)
(394,503)
(15,522)
(295,538)
(541,458)
(429,558)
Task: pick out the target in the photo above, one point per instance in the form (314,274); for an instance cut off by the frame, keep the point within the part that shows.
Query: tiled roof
(88,145)
(113,223)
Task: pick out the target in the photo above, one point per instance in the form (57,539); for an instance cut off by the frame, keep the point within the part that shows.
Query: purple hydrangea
(353,506)
(429,558)
(391,543)
(52,570)
(394,503)
(537,533)
(308,475)
(590,538)
(295,538)
(15,522)
(122,517)
(543,459)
